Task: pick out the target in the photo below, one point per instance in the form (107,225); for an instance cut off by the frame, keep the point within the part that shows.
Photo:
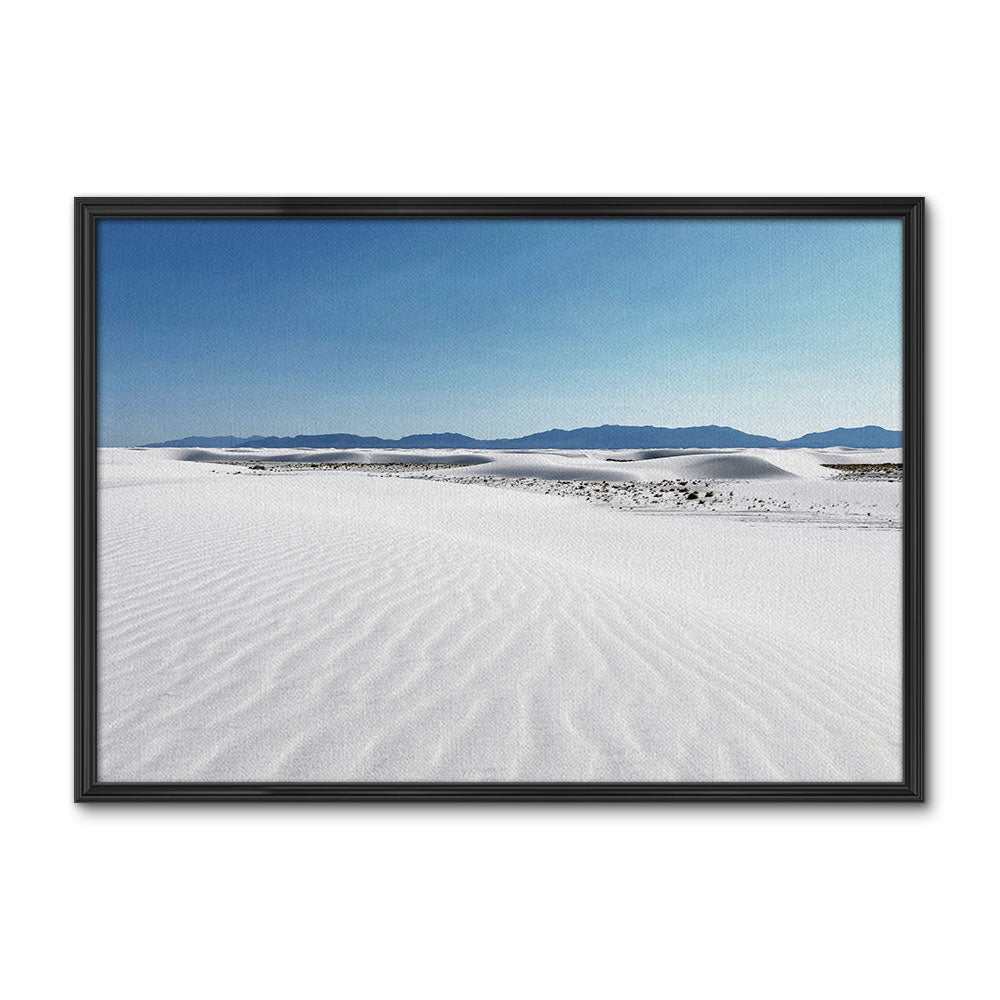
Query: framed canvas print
(513,499)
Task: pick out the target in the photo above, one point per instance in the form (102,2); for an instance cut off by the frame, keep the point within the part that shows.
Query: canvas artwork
(502,499)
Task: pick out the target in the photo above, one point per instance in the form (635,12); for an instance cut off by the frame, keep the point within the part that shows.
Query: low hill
(607,436)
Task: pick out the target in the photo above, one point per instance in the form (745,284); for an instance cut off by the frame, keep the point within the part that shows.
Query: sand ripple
(325,627)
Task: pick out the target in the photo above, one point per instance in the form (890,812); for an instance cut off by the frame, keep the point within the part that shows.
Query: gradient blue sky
(495,328)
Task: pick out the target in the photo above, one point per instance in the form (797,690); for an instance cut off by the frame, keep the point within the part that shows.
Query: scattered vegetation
(666,496)
(892,471)
(364,466)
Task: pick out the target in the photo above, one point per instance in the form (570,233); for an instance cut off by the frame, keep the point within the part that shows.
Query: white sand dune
(733,466)
(359,456)
(554,467)
(334,625)
(608,466)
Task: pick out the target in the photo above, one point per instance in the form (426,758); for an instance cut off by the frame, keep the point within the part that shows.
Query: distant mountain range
(609,436)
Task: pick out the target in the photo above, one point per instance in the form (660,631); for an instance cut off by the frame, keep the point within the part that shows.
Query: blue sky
(495,328)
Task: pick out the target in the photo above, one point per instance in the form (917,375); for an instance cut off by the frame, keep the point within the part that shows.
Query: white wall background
(512,98)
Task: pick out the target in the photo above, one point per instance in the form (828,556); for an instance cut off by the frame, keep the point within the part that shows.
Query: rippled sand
(322,625)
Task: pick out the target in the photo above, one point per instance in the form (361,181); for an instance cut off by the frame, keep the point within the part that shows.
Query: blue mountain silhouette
(850,437)
(608,436)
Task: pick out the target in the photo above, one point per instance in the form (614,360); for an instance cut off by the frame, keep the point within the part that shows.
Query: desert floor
(497,616)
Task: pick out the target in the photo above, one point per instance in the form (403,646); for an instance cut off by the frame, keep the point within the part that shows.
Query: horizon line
(549,430)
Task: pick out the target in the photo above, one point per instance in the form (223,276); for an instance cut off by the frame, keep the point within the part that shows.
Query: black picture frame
(89,210)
